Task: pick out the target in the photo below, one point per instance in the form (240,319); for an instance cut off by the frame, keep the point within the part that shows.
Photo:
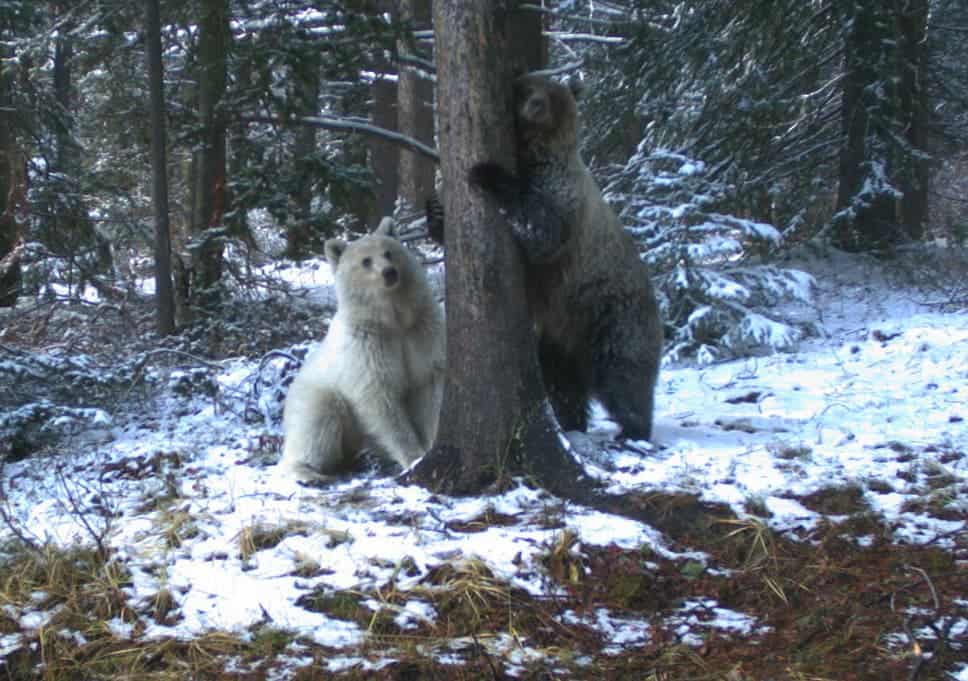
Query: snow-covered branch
(559,70)
(568,36)
(357,125)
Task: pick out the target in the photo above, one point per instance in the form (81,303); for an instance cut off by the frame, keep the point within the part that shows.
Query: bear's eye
(387,256)
(367,262)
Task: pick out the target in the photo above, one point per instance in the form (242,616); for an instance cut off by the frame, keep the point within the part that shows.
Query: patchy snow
(878,401)
(695,616)
(620,632)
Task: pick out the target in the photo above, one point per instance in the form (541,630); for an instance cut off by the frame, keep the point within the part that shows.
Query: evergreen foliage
(716,291)
(721,130)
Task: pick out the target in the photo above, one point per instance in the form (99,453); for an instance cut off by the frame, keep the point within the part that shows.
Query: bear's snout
(390,276)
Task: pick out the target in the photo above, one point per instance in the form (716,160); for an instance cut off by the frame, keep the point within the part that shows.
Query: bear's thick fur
(590,295)
(376,381)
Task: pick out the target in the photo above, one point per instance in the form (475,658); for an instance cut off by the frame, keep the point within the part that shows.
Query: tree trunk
(869,159)
(384,155)
(63,55)
(354,200)
(68,230)
(208,205)
(496,419)
(415,113)
(164,296)
(12,191)
(912,26)
(244,153)
(305,101)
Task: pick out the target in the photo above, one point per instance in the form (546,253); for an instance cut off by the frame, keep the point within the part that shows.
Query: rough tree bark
(496,419)
(67,230)
(912,27)
(384,155)
(164,295)
(415,115)
(208,167)
(12,191)
(304,93)
(865,202)
(884,171)
(65,150)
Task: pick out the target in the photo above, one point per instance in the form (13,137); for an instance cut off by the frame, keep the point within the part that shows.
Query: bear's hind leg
(320,434)
(567,386)
(627,390)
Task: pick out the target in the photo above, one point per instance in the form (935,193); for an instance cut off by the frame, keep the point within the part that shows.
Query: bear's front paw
(491,177)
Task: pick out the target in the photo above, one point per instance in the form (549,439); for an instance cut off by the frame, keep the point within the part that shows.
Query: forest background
(733,137)
(724,133)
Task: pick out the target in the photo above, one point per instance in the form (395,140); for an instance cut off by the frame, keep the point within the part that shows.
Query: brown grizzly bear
(590,294)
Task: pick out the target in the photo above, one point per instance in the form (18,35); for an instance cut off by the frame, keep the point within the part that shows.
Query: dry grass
(824,607)
(262,535)
(92,631)
(177,526)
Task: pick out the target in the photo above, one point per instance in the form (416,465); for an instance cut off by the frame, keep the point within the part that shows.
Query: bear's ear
(334,250)
(385,228)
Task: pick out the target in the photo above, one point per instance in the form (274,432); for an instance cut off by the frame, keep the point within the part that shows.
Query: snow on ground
(878,402)
(791,424)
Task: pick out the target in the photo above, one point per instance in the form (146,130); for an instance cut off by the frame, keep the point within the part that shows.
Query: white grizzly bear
(376,382)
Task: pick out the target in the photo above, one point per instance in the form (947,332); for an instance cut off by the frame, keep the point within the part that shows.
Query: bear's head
(546,112)
(377,278)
